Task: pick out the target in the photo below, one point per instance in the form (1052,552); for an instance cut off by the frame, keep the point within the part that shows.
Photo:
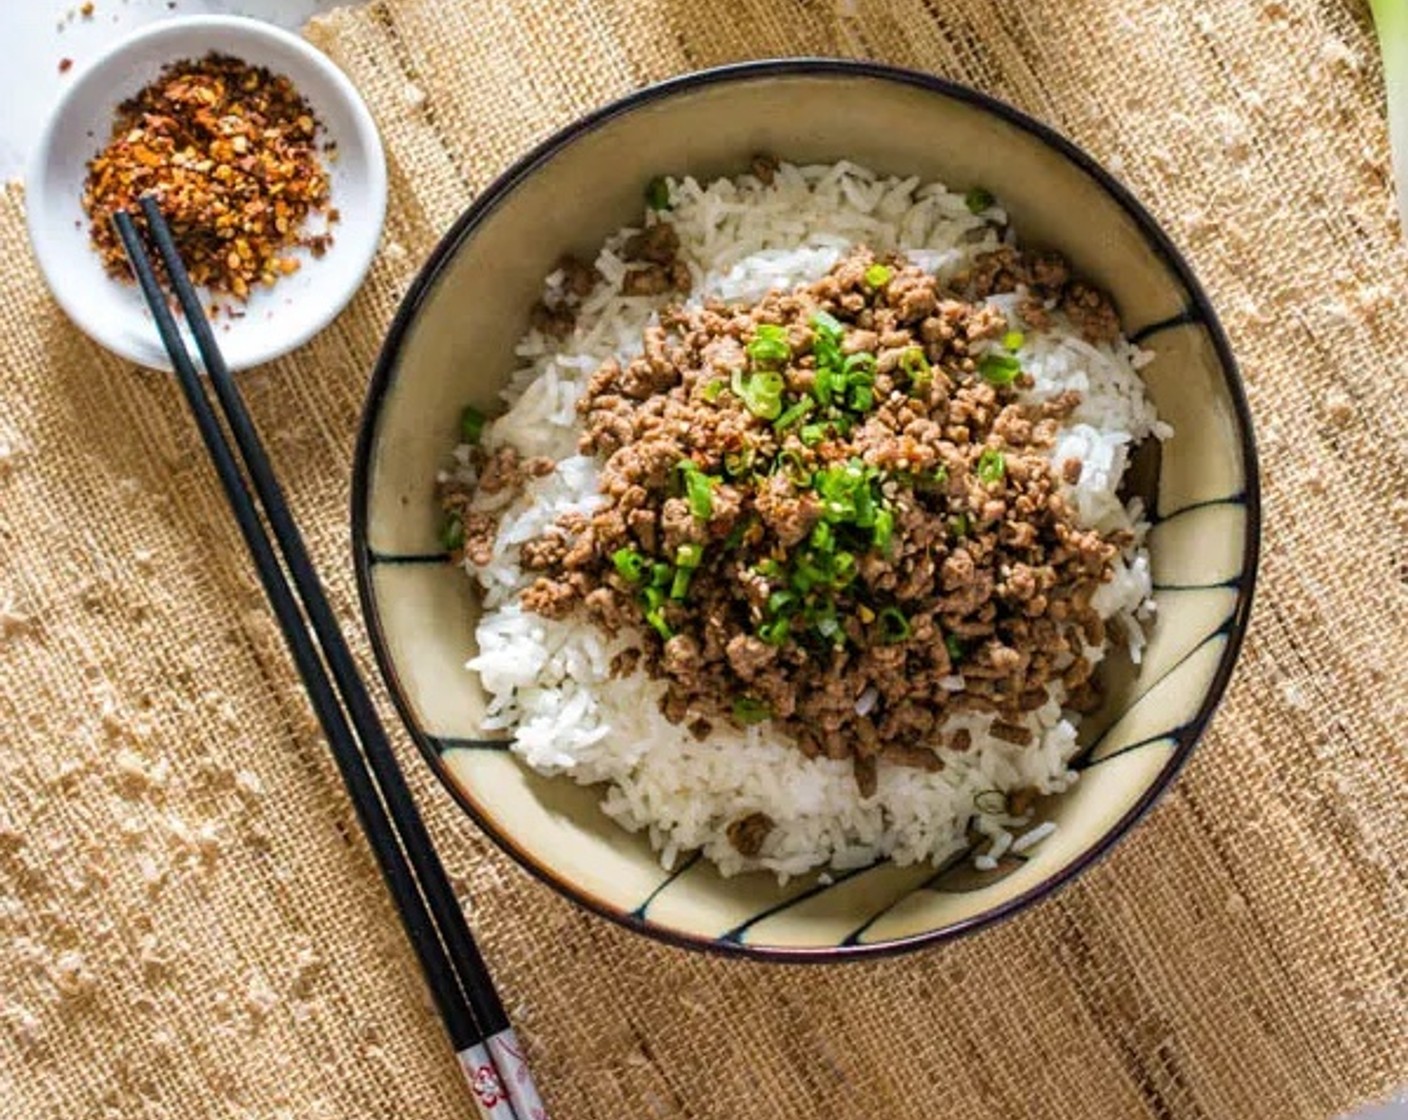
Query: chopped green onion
(884,529)
(894,627)
(992,802)
(738,463)
(472,423)
(877,276)
(452,533)
(761,393)
(999,369)
(827,325)
(954,647)
(828,627)
(774,632)
(991,465)
(768,568)
(654,597)
(1013,341)
(916,365)
(698,489)
(843,568)
(940,476)
(779,601)
(746,710)
(679,586)
(714,390)
(812,434)
(630,564)
(656,617)
(824,383)
(657,193)
(959,525)
(823,539)
(978,199)
(689,555)
(659,574)
(860,368)
(738,532)
(862,398)
(793,415)
(769,344)
(791,464)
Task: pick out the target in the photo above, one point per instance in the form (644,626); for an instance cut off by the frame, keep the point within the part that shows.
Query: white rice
(549,680)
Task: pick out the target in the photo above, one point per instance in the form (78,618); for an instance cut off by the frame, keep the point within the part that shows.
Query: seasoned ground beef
(822,508)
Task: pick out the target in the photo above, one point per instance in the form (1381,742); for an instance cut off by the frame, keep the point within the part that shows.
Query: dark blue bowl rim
(484,205)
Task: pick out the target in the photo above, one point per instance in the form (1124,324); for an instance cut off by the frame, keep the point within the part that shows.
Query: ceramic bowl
(452,342)
(277,319)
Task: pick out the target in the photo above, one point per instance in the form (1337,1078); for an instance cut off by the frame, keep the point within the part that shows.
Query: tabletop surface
(49,40)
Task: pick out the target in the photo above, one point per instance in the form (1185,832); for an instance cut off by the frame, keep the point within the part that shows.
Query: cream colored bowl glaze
(452,344)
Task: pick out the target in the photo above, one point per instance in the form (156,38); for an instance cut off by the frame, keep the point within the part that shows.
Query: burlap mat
(189,923)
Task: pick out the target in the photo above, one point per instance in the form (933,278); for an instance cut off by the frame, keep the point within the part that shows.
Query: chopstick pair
(484,1041)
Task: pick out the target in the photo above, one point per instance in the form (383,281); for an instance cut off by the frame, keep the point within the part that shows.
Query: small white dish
(275,320)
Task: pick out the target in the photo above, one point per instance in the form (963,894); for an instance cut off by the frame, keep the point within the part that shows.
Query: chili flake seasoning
(231,153)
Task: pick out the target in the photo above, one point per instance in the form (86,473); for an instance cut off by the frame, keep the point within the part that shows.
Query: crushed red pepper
(231,153)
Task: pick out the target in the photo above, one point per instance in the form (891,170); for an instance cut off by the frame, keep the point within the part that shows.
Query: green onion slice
(747,710)
(698,489)
(894,627)
(714,389)
(884,529)
(991,465)
(954,647)
(916,365)
(812,434)
(978,199)
(774,632)
(657,193)
(999,369)
(959,525)
(630,564)
(1013,341)
(877,276)
(472,423)
(794,414)
(769,344)
(452,533)
(679,586)
(656,617)
(761,393)
(689,555)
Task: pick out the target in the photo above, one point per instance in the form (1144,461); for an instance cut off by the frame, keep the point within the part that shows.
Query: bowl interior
(453,345)
(275,320)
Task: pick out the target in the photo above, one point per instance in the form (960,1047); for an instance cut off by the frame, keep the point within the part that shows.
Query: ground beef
(828,560)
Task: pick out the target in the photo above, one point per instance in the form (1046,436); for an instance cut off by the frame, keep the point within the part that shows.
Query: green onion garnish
(954,647)
(812,434)
(894,627)
(827,325)
(859,368)
(768,568)
(630,564)
(991,465)
(862,398)
(679,586)
(657,193)
(999,369)
(843,568)
(877,276)
(779,601)
(978,199)
(698,489)
(959,525)
(761,393)
(823,539)
(452,533)
(689,555)
(993,802)
(472,423)
(656,617)
(774,632)
(659,574)
(714,390)
(940,476)
(1013,341)
(769,344)
(746,710)
(884,529)
(916,365)
(738,463)
(793,415)
(790,463)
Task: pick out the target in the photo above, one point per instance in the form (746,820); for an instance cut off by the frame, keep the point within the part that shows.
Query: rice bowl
(551,680)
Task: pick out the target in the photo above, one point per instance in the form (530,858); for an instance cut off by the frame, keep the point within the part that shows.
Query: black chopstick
(459,980)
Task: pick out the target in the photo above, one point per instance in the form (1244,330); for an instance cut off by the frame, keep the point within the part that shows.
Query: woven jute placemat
(190,924)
